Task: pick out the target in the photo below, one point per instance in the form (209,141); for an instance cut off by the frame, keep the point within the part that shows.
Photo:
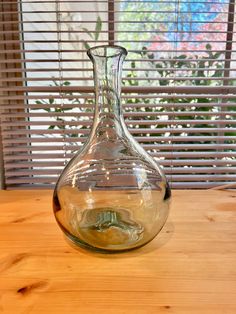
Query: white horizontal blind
(178,84)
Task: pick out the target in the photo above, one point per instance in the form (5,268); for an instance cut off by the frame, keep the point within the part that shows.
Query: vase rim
(115,51)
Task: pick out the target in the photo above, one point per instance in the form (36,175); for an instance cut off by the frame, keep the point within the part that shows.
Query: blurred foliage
(93,35)
(178,71)
(181,71)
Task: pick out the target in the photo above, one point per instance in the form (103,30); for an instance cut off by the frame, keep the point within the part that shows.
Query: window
(178,84)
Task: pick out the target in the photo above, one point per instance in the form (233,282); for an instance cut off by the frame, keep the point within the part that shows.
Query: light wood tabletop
(189,268)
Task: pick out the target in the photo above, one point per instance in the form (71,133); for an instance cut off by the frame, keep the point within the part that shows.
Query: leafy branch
(93,35)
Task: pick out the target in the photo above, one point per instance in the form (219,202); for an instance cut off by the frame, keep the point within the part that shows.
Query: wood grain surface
(189,268)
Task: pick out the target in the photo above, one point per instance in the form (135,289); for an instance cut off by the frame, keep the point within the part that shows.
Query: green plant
(93,35)
(180,71)
(69,103)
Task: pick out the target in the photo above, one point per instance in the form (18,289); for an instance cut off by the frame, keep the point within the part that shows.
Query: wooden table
(189,268)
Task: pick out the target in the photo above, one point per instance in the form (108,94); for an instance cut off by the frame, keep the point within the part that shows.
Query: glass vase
(112,196)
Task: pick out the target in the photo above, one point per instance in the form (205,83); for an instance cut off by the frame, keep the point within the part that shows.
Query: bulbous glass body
(112,196)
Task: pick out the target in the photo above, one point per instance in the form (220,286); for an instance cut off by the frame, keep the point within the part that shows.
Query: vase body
(112,196)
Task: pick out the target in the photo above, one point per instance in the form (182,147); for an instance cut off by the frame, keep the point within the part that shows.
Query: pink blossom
(193,43)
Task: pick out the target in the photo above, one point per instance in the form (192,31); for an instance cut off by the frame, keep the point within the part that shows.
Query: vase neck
(107,68)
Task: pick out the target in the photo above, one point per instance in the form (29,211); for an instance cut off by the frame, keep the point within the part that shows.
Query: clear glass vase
(112,196)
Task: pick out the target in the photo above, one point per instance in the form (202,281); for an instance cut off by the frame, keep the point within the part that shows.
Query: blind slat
(105,1)
(50,21)
(132,131)
(156,139)
(164,89)
(52,179)
(113,11)
(43,79)
(166,163)
(17,124)
(85,70)
(189,170)
(174,147)
(169,105)
(80,114)
(182,154)
(94,42)
(111,31)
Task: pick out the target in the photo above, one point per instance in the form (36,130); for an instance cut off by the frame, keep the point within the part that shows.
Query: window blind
(178,92)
